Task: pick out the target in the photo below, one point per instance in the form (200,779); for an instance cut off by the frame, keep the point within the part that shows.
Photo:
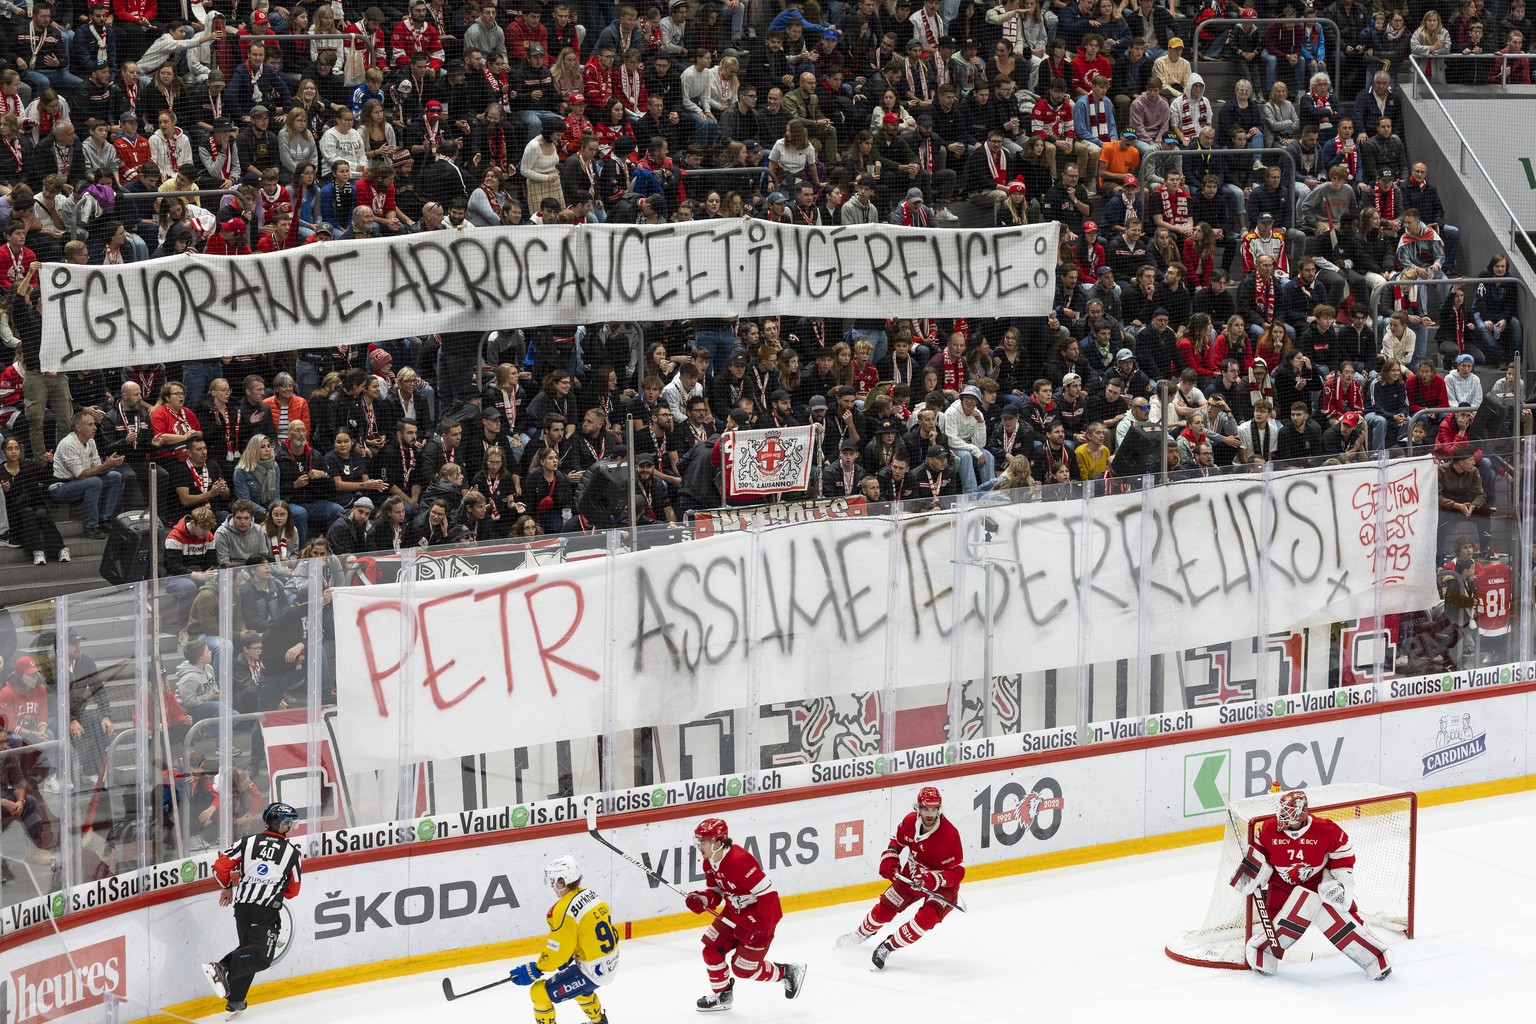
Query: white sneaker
(51,784)
(945,216)
(37,558)
(63,554)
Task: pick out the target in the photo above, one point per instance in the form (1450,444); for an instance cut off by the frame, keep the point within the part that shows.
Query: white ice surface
(1086,942)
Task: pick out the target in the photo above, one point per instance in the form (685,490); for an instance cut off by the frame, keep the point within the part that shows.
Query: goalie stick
(1260,909)
(451,995)
(637,862)
(956,904)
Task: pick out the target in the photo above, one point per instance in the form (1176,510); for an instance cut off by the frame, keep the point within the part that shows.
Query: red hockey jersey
(1299,861)
(739,886)
(1495,590)
(939,851)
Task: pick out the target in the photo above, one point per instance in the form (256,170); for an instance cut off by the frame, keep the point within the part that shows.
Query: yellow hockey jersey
(581,928)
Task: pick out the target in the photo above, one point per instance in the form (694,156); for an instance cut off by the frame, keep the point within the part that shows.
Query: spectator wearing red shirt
(1089,64)
(15,258)
(230,240)
(172,423)
(1426,390)
(416,34)
(527,28)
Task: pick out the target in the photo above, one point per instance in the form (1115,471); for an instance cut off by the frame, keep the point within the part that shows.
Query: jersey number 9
(607,938)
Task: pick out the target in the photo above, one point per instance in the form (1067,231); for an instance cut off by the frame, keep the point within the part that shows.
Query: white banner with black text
(485,279)
(669,635)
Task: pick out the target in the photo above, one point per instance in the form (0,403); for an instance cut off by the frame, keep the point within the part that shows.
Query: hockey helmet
(562,871)
(279,814)
(712,828)
(928,796)
(1293,810)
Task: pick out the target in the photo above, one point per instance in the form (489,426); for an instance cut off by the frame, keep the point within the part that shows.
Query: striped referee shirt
(268,865)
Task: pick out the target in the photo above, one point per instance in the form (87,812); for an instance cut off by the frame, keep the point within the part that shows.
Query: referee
(257,874)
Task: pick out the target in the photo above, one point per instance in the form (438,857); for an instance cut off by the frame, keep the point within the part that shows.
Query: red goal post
(1382,824)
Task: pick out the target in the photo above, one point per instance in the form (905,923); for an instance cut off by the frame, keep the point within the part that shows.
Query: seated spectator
(80,474)
(1462,386)
(348,535)
(305,483)
(196,687)
(281,531)
(190,557)
(198,482)
(239,538)
(25,704)
(31,525)
(17,802)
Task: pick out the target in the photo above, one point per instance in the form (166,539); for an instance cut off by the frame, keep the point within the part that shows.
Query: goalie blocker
(1303,868)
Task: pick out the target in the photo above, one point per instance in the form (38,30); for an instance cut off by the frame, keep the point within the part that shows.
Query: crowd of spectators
(1220,301)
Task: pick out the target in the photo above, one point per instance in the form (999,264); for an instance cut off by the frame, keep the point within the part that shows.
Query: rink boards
(431,893)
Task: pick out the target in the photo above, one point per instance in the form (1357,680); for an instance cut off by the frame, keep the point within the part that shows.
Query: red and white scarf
(1264,296)
(224,161)
(1385,200)
(1098,118)
(997,164)
(914,218)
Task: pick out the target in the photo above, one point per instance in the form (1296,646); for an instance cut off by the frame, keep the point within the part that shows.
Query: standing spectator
(31,527)
(80,474)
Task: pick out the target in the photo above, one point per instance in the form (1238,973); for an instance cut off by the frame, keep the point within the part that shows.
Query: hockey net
(1382,825)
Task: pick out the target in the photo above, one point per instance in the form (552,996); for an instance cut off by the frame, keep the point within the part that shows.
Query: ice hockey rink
(1085,942)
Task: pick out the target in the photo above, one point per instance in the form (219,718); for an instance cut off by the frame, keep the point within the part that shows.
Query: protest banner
(665,636)
(351,292)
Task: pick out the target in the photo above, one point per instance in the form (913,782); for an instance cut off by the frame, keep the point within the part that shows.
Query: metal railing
(1514,233)
(1430,282)
(1194,34)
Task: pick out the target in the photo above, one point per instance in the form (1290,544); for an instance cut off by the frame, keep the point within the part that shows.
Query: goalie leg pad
(1350,937)
(1296,915)
(1260,955)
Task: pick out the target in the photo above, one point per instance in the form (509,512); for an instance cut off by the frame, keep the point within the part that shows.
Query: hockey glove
(1338,888)
(888,868)
(525,974)
(1252,872)
(927,880)
(698,902)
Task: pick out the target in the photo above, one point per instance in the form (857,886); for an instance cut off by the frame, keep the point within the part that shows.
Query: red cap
(1017,185)
(1350,419)
(576,97)
(259,18)
(25,664)
(434,106)
(1089,225)
(890,119)
(233,224)
(1131,182)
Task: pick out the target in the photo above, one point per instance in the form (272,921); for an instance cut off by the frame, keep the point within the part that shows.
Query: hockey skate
(881,952)
(852,938)
(234,1008)
(794,979)
(214,972)
(716,1000)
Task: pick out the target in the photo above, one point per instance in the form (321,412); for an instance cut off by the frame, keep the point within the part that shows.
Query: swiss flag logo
(848,839)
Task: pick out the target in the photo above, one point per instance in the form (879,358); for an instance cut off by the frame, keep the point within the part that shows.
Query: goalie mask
(562,871)
(1293,811)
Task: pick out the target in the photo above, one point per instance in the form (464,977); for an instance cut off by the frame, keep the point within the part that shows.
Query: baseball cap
(936,452)
(649,458)
(1350,419)
(434,106)
(363,502)
(1266,216)
(890,119)
(1124,354)
(535,49)
(779,395)
(259,18)
(924,121)
(848,445)
(777,197)
(914,195)
(1175,41)
(1069,378)
(490,412)
(576,97)
(223,124)
(817,402)
(233,224)
(260,110)
(1102,271)
(740,417)
(1171,138)
(25,664)
(1010,412)
(1090,225)
(1131,182)
(1465,357)
(972,391)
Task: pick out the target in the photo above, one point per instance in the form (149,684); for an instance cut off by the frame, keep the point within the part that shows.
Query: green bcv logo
(1504,674)
(1280,707)
(1340,699)
(658,797)
(733,786)
(519,816)
(57,904)
(426,829)
(188,870)
(950,754)
(1151,727)
(880,765)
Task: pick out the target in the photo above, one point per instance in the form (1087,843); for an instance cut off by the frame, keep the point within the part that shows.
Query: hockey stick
(956,904)
(595,834)
(1260,908)
(451,995)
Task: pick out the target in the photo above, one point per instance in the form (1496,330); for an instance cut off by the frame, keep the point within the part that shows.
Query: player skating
(1303,868)
(749,913)
(257,874)
(933,862)
(582,952)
